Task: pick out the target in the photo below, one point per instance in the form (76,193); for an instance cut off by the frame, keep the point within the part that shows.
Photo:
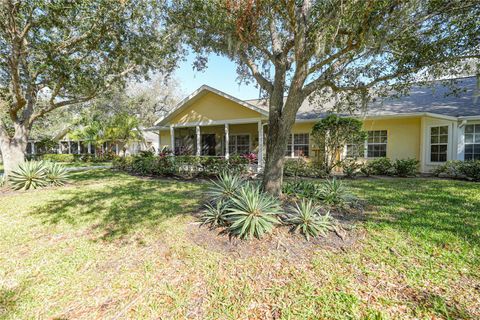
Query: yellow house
(427,124)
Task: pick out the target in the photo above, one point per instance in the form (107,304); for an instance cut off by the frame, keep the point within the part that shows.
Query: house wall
(403,136)
(213,107)
(408,137)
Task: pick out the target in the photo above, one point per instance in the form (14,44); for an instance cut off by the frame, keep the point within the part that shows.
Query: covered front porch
(218,139)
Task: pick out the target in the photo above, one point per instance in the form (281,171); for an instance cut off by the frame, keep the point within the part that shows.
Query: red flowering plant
(251,157)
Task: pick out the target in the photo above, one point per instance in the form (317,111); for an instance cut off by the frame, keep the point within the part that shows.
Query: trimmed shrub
(305,217)
(469,170)
(299,167)
(58,157)
(252,213)
(380,166)
(147,164)
(449,169)
(350,167)
(406,167)
(366,170)
(30,174)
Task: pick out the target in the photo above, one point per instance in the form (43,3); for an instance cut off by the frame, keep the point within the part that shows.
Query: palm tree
(122,130)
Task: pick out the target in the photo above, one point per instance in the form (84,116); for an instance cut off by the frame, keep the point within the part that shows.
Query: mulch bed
(281,241)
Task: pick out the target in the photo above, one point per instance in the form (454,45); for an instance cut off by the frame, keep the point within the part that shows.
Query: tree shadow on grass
(436,210)
(121,208)
(436,304)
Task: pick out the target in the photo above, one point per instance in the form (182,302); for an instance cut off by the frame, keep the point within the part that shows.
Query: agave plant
(305,217)
(334,193)
(252,213)
(30,174)
(226,186)
(56,174)
(214,214)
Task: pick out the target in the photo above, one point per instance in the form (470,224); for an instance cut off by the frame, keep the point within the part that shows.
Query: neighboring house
(65,146)
(427,124)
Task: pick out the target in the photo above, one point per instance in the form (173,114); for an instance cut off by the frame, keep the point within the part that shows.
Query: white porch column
(79,147)
(69,147)
(33,147)
(116,149)
(260,145)
(227,141)
(89,147)
(59,147)
(172,139)
(199,144)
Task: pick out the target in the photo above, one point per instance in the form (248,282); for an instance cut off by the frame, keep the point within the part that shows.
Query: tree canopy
(56,53)
(324,50)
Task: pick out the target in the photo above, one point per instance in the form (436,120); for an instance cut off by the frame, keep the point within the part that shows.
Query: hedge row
(59,157)
(150,165)
(469,170)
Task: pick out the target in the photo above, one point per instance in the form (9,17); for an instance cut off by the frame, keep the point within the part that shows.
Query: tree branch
(264,82)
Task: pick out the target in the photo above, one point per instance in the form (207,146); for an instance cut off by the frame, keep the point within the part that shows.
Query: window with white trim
(354,150)
(472,142)
(377,144)
(438,143)
(239,144)
(300,142)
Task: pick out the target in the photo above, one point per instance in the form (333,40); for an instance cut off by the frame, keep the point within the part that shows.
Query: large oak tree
(328,49)
(57,53)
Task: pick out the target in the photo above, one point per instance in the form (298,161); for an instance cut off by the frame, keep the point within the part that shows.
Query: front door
(208,144)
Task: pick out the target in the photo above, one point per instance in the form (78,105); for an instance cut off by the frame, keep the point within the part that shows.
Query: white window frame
(230,140)
(429,143)
(464,133)
(292,142)
(365,152)
(345,154)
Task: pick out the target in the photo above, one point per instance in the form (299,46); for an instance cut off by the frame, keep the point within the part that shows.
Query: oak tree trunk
(13,148)
(281,120)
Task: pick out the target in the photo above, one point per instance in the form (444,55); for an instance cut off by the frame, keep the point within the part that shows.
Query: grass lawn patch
(111,245)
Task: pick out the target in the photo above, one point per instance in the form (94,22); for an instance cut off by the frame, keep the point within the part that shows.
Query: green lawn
(115,246)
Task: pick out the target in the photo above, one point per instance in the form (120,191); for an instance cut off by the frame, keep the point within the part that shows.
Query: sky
(220,73)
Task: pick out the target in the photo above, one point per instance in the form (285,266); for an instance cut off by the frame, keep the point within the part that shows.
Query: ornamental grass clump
(214,214)
(56,174)
(226,187)
(305,217)
(37,174)
(252,213)
(30,174)
(334,193)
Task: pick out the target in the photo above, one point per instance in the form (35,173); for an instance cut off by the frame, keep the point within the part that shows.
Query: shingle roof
(436,99)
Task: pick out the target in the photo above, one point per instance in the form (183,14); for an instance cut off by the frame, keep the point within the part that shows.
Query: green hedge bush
(58,157)
(145,164)
(469,170)
(385,167)
(299,167)
(405,167)
(61,157)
